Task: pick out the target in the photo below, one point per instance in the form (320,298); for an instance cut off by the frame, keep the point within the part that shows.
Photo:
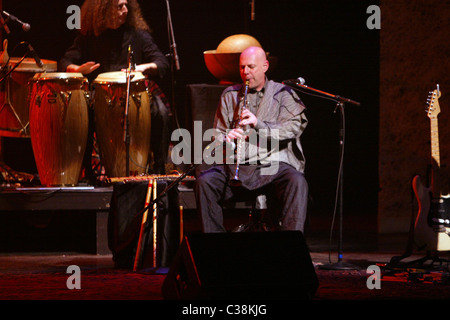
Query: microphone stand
(175,61)
(172,43)
(4,25)
(13,68)
(126,136)
(18,63)
(340,265)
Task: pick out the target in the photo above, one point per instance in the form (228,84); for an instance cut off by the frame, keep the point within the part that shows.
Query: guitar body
(427,236)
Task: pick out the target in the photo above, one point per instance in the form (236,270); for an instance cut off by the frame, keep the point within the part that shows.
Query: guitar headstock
(433,108)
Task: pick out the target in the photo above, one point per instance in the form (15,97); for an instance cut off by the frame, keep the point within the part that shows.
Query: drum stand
(151,201)
(298,85)
(7,94)
(3,24)
(11,175)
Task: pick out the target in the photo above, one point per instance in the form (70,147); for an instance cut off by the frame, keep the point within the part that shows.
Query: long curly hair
(96,13)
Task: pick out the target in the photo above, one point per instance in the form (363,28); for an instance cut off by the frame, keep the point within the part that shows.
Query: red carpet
(44,277)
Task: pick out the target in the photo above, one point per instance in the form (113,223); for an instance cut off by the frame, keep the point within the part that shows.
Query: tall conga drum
(59,126)
(110,96)
(14,109)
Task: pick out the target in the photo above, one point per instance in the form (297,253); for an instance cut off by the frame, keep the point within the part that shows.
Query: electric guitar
(432,227)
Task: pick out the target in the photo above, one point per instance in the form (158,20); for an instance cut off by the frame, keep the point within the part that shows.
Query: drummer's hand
(147,68)
(85,68)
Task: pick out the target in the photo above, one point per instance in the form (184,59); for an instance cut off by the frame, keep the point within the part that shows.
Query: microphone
(35,56)
(130,59)
(25,26)
(299,80)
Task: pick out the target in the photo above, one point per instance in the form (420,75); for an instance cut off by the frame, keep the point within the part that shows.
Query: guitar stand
(435,259)
(433,256)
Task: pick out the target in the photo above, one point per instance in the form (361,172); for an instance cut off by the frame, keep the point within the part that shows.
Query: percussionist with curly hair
(108,29)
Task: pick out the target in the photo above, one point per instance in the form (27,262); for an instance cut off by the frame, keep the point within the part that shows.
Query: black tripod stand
(145,224)
(298,84)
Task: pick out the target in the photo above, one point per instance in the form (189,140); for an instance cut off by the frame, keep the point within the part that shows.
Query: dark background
(325,42)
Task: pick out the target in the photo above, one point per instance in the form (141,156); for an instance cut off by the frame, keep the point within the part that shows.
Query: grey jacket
(281,121)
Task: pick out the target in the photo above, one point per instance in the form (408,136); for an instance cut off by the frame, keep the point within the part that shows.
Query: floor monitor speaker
(245,265)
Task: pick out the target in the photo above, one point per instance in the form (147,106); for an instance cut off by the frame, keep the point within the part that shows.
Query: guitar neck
(433,111)
(435,154)
(435,159)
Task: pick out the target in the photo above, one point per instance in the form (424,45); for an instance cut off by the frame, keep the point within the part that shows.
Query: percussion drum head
(118,77)
(29,65)
(58,76)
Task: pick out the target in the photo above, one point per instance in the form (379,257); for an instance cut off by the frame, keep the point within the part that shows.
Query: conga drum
(59,126)
(110,96)
(14,109)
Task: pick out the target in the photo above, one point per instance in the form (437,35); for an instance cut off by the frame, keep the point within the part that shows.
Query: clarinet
(236,182)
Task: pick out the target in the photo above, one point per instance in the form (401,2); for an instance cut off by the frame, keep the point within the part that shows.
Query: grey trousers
(286,191)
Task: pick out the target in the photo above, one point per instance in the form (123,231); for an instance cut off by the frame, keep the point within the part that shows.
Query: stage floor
(44,276)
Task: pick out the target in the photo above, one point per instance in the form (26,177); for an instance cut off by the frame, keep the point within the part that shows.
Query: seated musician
(275,113)
(108,28)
